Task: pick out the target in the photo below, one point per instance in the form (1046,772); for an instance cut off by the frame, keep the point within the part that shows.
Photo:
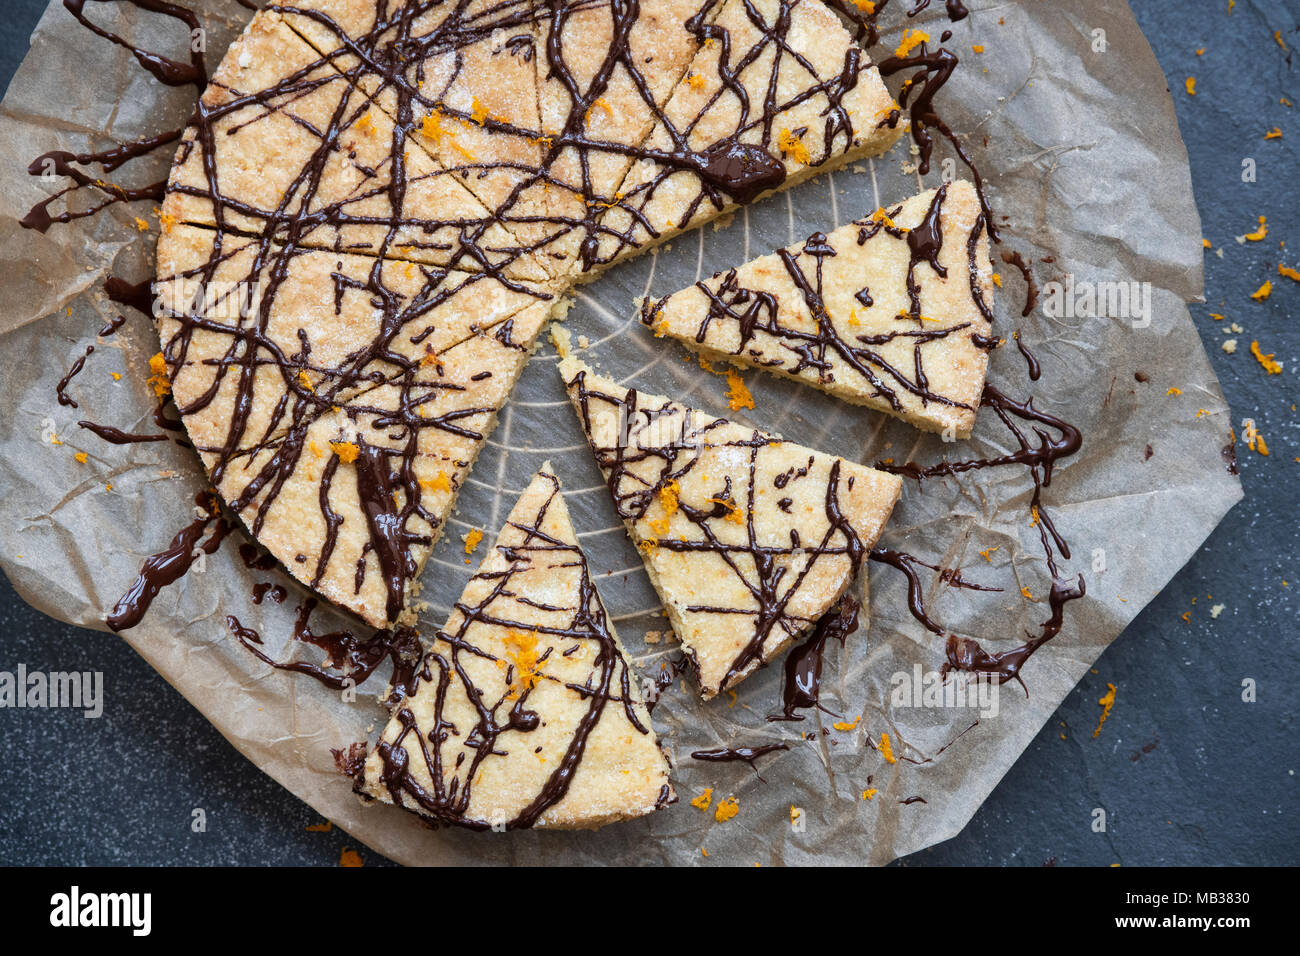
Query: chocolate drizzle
(349,659)
(932,71)
(169,565)
(749,755)
(164,69)
(1014,258)
(1056,440)
(801,687)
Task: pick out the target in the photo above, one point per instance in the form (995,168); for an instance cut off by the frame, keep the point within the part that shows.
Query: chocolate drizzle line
(165,70)
(503,724)
(669,436)
(169,565)
(933,70)
(1014,258)
(749,755)
(801,686)
(349,659)
(1056,440)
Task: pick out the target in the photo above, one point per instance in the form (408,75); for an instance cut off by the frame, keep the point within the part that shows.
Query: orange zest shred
(793,146)
(911,40)
(738,395)
(668,494)
(325,827)
(346,450)
(1174,390)
(1254,440)
(887,749)
(81,457)
(847,725)
(161,385)
(1272,366)
(726,809)
(1263,292)
(349,858)
(987,552)
(431,127)
(1287,272)
(1189,84)
(522,651)
(882,217)
(1260,233)
(440,483)
(472,540)
(870,794)
(1107,701)
(704,800)
(1274,133)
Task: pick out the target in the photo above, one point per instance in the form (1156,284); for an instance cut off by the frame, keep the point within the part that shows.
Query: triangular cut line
(372,321)
(286,143)
(542,210)
(525,711)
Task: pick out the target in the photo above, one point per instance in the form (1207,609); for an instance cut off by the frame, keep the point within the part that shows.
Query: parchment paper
(1082,152)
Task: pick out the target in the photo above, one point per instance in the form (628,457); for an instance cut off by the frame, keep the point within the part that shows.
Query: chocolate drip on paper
(169,565)
(349,658)
(801,688)
(1056,439)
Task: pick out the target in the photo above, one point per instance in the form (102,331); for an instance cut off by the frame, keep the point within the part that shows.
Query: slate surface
(1187,772)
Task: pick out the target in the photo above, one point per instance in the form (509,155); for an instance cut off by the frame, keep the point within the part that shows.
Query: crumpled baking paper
(1069,118)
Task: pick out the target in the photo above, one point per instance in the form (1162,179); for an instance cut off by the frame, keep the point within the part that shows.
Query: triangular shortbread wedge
(526,712)
(748,538)
(257,336)
(780,92)
(891,312)
(283,145)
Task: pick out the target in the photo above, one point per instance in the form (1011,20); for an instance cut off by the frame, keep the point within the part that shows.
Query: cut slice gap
(284,145)
(747,538)
(526,712)
(779,93)
(891,312)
